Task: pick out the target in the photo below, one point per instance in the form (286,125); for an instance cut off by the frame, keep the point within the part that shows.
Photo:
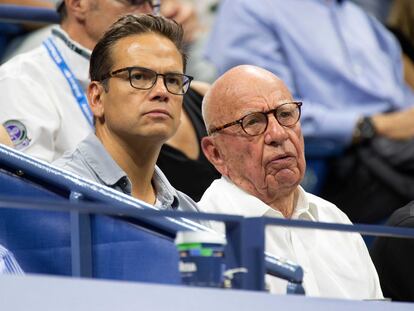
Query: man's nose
(159,91)
(275,133)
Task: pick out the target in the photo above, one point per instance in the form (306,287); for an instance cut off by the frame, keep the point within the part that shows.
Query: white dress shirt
(335,264)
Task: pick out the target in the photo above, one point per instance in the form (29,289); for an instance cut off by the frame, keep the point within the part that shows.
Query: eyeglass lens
(142,78)
(256,123)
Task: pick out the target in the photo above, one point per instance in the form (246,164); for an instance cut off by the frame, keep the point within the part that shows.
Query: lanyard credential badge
(75,87)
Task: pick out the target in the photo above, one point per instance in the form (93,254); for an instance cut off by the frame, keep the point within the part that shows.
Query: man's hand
(396,125)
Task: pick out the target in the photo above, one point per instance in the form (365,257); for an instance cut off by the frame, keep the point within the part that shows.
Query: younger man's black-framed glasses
(144,79)
(255,123)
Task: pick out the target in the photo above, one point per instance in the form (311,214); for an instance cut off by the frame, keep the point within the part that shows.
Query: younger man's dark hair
(101,59)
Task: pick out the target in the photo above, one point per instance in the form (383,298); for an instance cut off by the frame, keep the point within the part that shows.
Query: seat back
(41,243)
(139,250)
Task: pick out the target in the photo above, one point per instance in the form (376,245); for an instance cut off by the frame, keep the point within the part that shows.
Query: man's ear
(78,8)
(213,154)
(96,94)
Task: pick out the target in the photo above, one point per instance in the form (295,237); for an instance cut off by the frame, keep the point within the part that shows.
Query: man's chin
(283,182)
(159,131)
(161,137)
(158,136)
(287,177)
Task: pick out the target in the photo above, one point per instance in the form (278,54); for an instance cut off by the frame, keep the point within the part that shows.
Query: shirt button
(124,183)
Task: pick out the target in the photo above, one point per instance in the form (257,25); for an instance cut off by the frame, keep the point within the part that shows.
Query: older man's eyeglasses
(144,79)
(256,123)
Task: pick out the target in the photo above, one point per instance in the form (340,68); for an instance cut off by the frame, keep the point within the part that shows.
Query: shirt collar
(244,204)
(167,196)
(111,175)
(254,207)
(99,160)
(78,64)
(59,33)
(304,209)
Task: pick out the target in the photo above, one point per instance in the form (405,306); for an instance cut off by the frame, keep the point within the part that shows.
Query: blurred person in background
(393,257)
(398,17)
(401,17)
(378,8)
(401,22)
(198,66)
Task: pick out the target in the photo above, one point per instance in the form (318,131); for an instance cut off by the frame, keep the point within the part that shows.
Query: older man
(136,94)
(256,143)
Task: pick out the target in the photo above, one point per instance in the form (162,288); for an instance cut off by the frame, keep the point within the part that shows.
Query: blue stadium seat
(318,153)
(41,240)
(41,243)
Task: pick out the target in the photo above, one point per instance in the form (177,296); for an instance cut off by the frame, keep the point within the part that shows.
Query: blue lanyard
(77,90)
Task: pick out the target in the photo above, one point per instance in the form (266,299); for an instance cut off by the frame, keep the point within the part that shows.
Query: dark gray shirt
(91,160)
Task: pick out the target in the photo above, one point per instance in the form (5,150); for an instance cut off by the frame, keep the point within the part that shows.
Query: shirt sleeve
(371,272)
(29,116)
(359,248)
